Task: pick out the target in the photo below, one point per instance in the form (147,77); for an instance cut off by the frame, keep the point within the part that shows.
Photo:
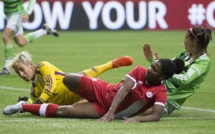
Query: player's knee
(71,81)
(67,80)
(21,43)
(5,38)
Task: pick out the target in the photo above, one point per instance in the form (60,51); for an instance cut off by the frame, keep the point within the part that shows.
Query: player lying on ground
(197,64)
(47,84)
(141,89)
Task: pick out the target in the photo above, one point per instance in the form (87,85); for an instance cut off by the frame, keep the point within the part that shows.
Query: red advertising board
(119,14)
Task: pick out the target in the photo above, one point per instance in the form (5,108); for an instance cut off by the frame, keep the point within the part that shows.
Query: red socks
(43,110)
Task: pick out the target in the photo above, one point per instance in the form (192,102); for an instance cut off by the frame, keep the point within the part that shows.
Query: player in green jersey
(197,65)
(15,16)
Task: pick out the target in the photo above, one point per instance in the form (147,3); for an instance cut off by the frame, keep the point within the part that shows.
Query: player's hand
(156,56)
(26,99)
(147,51)
(22,98)
(25,18)
(109,116)
(130,120)
(38,101)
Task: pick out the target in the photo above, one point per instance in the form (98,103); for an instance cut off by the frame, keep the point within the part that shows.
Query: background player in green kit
(15,16)
(197,65)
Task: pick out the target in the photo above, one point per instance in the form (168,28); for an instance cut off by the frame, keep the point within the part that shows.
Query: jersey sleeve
(136,72)
(48,75)
(194,71)
(30,7)
(161,97)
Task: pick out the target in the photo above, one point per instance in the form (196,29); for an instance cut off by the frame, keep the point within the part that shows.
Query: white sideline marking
(13,88)
(199,109)
(72,120)
(187,118)
(185,108)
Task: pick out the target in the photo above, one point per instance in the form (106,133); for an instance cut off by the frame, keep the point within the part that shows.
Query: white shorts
(14,22)
(169,108)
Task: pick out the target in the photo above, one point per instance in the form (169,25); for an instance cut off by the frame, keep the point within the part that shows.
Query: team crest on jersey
(149,94)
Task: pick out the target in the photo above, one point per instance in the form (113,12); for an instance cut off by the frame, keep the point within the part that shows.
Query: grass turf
(76,51)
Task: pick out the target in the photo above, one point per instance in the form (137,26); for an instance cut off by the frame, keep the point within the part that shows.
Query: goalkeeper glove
(38,101)
(26,99)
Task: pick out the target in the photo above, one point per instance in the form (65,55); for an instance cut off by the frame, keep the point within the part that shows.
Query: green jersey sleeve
(183,85)
(30,7)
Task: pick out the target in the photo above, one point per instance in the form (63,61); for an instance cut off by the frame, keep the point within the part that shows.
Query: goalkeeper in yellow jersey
(47,84)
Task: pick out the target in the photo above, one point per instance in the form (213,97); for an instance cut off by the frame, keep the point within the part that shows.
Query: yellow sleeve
(48,74)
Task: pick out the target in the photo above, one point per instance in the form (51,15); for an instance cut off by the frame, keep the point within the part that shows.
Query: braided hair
(171,67)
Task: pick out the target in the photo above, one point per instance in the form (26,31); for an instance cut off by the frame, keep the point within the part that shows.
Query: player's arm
(49,81)
(154,116)
(147,51)
(28,10)
(119,97)
(193,72)
(30,7)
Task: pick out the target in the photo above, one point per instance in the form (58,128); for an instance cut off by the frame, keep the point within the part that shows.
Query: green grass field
(76,51)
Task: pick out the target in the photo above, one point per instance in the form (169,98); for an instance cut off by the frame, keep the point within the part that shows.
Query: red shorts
(99,92)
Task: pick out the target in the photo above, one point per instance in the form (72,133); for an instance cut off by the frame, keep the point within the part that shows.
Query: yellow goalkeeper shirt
(48,86)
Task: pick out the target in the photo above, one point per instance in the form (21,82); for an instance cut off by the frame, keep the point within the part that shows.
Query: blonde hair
(23,57)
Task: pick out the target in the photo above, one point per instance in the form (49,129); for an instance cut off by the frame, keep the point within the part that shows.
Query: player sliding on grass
(15,16)
(141,89)
(47,84)
(197,64)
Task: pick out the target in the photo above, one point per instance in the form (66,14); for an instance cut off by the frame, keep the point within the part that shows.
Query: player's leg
(80,110)
(8,33)
(22,40)
(72,82)
(116,63)
(35,109)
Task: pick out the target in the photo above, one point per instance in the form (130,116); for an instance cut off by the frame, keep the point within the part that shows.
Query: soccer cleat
(50,30)
(122,61)
(4,71)
(12,109)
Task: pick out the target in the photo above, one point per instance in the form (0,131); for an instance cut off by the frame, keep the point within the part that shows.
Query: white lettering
(210,14)
(130,15)
(38,17)
(57,13)
(2,16)
(120,15)
(93,14)
(157,12)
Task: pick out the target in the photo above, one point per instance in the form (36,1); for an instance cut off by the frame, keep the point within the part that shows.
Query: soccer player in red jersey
(141,89)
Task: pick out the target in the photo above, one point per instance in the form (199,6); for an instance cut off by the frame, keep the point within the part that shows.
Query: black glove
(38,101)
(23,99)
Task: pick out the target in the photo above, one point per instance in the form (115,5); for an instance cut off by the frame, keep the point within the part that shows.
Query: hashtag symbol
(196,14)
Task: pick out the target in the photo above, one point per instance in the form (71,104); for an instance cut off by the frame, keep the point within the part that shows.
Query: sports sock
(35,35)
(8,53)
(98,70)
(43,110)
